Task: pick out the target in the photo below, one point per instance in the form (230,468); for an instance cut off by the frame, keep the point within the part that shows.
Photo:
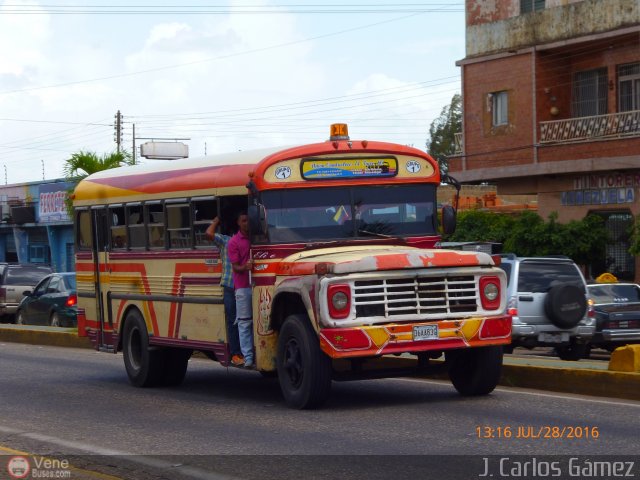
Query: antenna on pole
(5,174)
(42,162)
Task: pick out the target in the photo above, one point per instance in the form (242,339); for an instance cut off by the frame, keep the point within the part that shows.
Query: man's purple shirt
(239,249)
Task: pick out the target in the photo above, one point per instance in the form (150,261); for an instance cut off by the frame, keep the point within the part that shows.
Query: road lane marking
(612,401)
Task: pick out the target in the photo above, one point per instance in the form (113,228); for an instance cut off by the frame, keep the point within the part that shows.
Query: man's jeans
(230,314)
(244,320)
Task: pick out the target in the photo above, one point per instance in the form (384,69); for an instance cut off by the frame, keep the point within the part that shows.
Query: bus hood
(374,258)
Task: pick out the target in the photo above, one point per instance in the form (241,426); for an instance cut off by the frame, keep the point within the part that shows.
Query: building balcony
(615,125)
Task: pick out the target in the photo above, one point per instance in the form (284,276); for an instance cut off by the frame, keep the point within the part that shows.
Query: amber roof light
(339,131)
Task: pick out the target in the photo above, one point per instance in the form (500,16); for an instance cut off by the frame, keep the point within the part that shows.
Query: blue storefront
(35,226)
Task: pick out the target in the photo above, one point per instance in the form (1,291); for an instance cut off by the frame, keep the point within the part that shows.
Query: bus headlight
(339,300)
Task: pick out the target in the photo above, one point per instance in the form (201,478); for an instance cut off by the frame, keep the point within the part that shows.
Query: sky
(219,76)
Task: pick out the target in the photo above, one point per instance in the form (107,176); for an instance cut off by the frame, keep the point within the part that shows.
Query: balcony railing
(458,140)
(589,128)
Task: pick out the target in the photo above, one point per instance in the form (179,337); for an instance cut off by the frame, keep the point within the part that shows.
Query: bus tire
(176,362)
(475,371)
(144,364)
(304,371)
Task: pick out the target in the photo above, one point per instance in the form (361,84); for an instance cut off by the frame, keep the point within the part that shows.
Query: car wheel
(54,320)
(565,305)
(144,364)
(20,318)
(304,371)
(475,371)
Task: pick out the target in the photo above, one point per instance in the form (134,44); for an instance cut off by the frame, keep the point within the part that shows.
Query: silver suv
(14,281)
(547,299)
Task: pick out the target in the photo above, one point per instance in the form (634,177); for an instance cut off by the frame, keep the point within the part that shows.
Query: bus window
(135,222)
(178,225)
(118,228)
(204,210)
(155,224)
(85,239)
(332,213)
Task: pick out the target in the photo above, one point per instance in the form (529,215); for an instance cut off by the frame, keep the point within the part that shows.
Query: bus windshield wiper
(381,235)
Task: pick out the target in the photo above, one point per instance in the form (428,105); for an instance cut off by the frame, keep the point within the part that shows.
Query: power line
(211,59)
(250,9)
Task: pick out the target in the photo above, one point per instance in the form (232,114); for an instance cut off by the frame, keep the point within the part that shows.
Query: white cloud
(23,38)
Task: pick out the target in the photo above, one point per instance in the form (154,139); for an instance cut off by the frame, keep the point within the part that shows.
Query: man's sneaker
(249,364)
(237,360)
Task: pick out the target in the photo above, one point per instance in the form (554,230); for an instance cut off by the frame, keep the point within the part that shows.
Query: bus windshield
(295,215)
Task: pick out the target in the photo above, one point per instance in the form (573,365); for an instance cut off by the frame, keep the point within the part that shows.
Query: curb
(599,383)
(581,381)
(51,336)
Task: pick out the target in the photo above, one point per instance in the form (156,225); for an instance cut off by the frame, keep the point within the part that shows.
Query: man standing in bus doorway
(240,257)
(226,282)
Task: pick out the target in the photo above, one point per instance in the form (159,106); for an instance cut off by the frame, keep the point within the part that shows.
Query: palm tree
(84,163)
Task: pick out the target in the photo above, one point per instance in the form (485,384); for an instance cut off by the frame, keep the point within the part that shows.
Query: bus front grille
(424,296)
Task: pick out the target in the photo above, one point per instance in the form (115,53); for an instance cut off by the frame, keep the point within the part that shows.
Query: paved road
(63,401)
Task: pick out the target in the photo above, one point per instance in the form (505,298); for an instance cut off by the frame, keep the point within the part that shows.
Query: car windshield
(295,215)
(540,277)
(612,293)
(26,276)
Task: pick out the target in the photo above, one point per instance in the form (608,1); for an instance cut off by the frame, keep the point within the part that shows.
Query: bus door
(100,264)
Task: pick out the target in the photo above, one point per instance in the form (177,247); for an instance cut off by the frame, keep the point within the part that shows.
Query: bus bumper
(396,338)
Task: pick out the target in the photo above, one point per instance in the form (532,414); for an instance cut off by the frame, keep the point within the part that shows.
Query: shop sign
(51,207)
(604,196)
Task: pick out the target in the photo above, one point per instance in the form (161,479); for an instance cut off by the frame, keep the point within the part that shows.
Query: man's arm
(210,232)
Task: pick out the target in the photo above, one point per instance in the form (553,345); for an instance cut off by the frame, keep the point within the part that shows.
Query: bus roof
(224,174)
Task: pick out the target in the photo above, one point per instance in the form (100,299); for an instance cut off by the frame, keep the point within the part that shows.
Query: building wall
(497,26)
(50,231)
(510,144)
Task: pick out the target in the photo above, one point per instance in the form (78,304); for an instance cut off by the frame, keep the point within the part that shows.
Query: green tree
(441,142)
(84,163)
(480,225)
(528,235)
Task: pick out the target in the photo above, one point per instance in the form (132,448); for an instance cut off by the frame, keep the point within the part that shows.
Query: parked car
(617,311)
(14,280)
(53,302)
(547,300)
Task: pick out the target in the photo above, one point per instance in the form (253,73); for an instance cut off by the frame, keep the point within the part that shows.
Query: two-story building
(551,106)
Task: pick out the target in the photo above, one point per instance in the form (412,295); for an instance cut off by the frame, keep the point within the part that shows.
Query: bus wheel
(304,371)
(144,364)
(475,371)
(176,361)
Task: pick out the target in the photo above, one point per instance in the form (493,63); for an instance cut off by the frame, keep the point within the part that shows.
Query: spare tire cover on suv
(565,305)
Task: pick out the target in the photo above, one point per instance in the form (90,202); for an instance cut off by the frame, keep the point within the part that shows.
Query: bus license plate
(425,332)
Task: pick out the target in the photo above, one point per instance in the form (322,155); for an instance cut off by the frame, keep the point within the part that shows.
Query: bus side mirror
(448,220)
(257,219)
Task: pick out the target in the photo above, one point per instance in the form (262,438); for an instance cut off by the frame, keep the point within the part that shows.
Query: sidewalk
(586,377)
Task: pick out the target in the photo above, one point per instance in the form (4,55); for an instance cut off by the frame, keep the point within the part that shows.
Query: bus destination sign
(333,168)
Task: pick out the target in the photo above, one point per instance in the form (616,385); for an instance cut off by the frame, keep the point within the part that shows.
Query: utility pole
(5,174)
(118,130)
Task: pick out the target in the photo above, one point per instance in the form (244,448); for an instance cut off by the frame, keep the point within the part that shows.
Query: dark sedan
(617,310)
(53,302)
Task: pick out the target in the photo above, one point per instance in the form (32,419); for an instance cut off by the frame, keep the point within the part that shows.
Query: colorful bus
(346,274)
